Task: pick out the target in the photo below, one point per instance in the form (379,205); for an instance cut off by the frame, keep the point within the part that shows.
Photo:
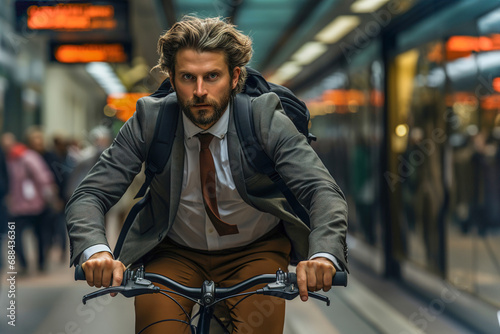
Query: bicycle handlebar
(340,279)
(138,282)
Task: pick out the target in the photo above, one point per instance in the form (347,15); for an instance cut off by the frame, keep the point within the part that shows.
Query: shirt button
(160,236)
(210,230)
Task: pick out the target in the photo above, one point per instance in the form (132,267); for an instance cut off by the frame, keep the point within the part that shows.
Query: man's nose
(200,88)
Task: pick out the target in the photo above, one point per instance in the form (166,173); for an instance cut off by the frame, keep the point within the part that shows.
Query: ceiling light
(309,52)
(367,6)
(338,28)
(287,71)
(105,77)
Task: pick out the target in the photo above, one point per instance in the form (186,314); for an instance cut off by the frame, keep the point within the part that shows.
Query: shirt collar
(219,129)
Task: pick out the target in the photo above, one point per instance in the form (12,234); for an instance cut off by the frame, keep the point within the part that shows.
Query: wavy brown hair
(202,35)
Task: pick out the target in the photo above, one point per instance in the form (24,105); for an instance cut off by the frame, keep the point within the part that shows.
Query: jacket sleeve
(107,181)
(305,175)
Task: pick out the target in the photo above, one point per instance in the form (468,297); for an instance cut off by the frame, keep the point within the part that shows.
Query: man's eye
(187,76)
(213,76)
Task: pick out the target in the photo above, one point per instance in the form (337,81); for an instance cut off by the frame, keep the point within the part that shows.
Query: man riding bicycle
(209,215)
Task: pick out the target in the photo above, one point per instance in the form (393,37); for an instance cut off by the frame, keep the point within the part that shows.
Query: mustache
(201,100)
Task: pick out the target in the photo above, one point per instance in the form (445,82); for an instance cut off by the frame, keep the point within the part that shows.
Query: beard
(205,117)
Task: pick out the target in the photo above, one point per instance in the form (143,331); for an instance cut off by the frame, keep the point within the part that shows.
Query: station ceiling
(278,28)
(294,41)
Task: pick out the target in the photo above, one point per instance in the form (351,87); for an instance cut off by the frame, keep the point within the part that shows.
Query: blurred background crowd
(39,172)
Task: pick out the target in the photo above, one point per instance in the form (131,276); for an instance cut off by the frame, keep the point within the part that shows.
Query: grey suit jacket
(296,162)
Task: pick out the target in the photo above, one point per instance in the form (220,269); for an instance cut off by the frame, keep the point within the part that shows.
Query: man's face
(203,85)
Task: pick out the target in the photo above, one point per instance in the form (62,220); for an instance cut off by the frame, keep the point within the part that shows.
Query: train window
(417,137)
(444,121)
(474,213)
(347,118)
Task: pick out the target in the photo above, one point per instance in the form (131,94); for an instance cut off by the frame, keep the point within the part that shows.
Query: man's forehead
(191,59)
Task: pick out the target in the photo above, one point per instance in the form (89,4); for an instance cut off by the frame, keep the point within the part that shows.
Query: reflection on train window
(446,140)
(347,117)
(473,113)
(418,141)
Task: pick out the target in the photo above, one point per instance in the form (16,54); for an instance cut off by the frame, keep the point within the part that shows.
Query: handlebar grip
(340,278)
(79,273)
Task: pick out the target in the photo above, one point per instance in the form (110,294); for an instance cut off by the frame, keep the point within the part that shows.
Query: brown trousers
(256,314)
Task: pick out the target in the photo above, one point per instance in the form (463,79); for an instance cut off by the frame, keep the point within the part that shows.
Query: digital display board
(72,16)
(71,53)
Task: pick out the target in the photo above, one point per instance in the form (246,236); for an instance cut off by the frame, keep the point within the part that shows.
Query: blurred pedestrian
(31,189)
(61,166)
(100,138)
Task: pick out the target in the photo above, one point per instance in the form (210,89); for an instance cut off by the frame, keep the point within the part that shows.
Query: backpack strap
(163,139)
(255,155)
(158,155)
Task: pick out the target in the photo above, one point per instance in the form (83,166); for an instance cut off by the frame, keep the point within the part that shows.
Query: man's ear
(236,76)
(171,78)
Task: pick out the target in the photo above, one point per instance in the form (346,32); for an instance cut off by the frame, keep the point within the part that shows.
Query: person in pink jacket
(31,189)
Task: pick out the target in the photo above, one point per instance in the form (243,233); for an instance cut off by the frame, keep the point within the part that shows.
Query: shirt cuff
(93,250)
(329,257)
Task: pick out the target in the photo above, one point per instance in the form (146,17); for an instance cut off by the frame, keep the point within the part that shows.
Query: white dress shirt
(192,227)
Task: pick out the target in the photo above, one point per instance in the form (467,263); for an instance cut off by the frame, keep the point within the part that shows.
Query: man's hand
(314,275)
(102,270)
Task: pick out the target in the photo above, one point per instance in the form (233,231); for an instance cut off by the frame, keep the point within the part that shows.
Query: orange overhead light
(462,43)
(87,53)
(72,17)
(463,46)
(124,104)
(343,101)
(344,96)
(377,98)
(463,98)
(496,84)
(491,102)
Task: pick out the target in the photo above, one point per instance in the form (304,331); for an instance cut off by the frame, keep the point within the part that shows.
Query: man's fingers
(312,281)
(103,271)
(118,275)
(98,277)
(89,273)
(302,282)
(314,275)
(327,281)
(106,277)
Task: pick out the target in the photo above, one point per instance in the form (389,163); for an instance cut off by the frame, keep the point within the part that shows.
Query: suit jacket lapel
(177,172)
(235,158)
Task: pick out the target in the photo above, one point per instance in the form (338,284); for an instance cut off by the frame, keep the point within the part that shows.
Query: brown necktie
(208,186)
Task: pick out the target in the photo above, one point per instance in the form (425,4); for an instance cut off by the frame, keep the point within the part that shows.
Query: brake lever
(131,289)
(288,291)
(319,297)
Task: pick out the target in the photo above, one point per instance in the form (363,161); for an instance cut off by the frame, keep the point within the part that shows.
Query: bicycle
(138,282)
